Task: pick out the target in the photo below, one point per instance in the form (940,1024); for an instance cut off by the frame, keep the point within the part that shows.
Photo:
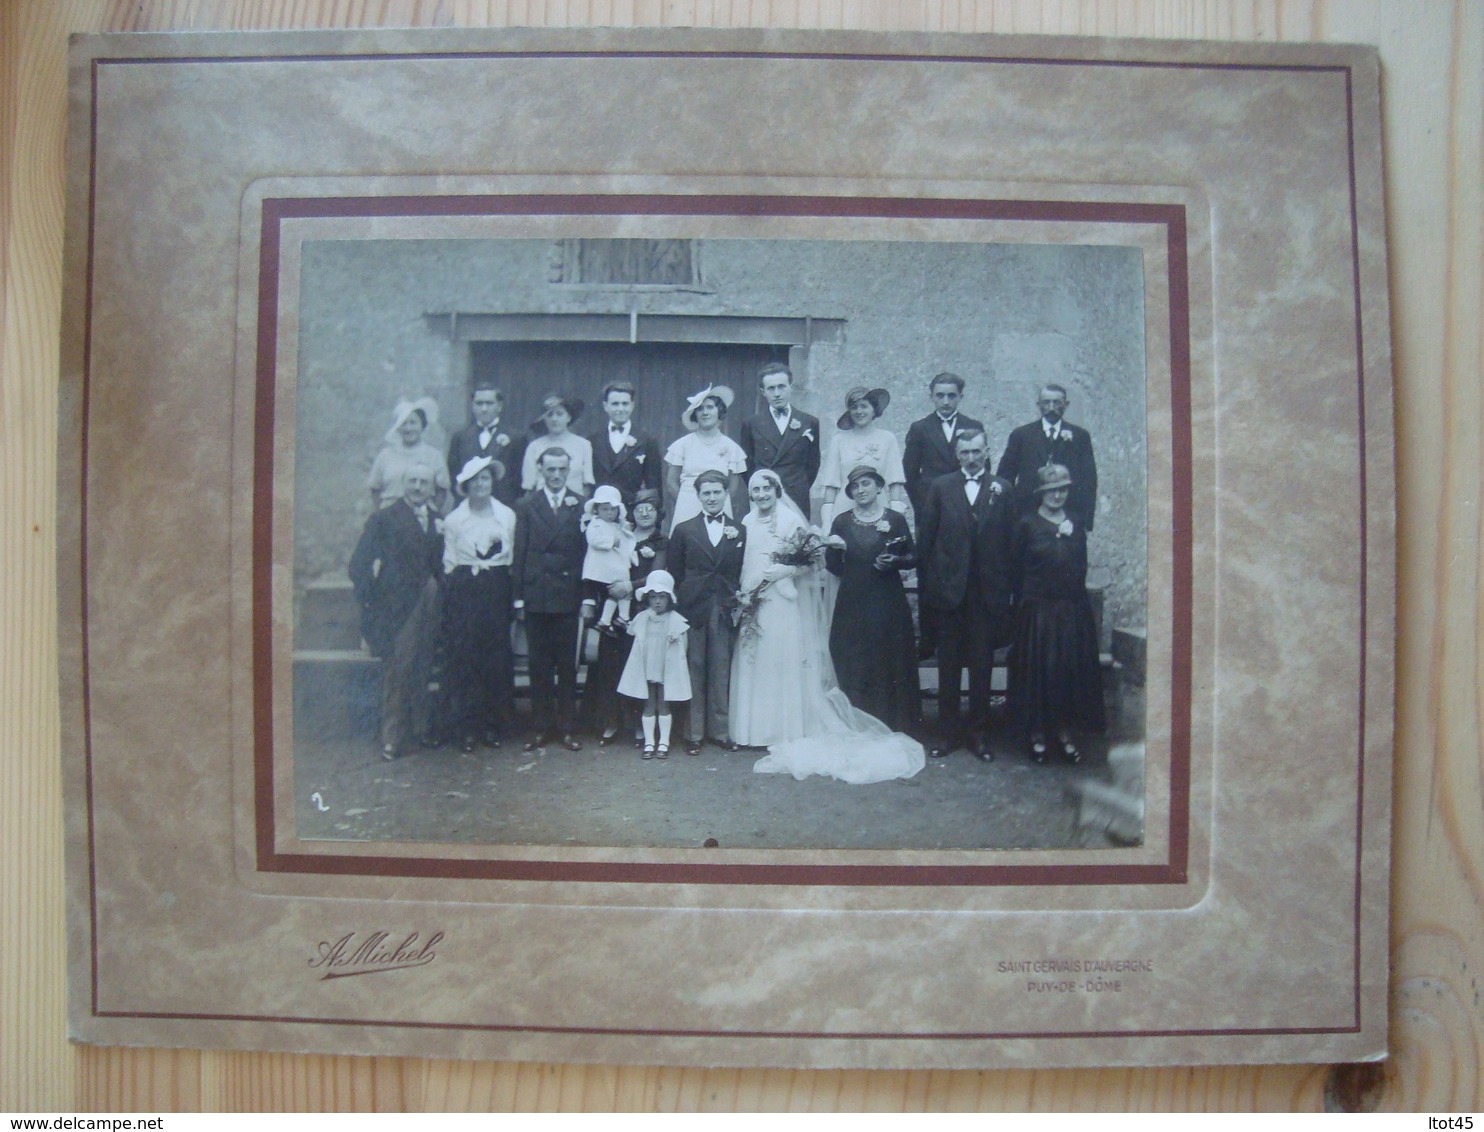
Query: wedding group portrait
(720,542)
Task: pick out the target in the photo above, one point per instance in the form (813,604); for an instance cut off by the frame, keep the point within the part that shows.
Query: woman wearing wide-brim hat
(404,447)
(1056,679)
(552,429)
(704,448)
(861,441)
(478,541)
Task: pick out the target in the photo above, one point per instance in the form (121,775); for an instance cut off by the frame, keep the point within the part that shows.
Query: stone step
(327,617)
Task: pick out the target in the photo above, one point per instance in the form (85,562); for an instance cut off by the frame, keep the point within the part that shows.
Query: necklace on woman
(867,518)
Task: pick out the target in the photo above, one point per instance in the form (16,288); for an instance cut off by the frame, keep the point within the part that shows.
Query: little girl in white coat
(656,671)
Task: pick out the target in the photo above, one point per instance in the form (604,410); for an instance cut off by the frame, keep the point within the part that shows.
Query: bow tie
(715,518)
(947,420)
(780,413)
(973,479)
(615,428)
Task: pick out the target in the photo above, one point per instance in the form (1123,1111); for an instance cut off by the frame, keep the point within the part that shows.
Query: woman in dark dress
(478,540)
(871,639)
(1056,681)
(612,712)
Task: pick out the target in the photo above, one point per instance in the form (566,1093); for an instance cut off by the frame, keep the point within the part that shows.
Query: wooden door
(664,373)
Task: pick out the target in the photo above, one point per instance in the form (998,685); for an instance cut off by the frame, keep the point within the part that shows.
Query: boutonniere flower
(502,441)
(1064,528)
(629,442)
(646,551)
(794,424)
(995,488)
(570,501)
(640,457)
(438,526)
(883,526)
(730,532)
(1066,434)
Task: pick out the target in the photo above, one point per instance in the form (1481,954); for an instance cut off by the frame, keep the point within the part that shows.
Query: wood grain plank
(1434,118)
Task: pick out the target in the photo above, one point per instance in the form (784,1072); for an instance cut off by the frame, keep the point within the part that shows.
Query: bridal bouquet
(801,548)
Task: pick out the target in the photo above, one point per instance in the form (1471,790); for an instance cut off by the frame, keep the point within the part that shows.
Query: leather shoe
(692,748)
(430,742)
(981,750)
(939,752)
(730,745)
(539,741)
(571,744)
(389,752)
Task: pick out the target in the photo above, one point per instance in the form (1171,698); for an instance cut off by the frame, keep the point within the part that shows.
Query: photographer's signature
(375,954)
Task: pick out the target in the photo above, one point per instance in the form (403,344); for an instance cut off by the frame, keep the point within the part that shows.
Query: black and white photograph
(742,543)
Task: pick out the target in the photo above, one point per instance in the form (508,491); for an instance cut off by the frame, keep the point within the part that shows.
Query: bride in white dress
(783,694)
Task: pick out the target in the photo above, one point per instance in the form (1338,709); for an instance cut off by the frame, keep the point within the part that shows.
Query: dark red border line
(1170,217)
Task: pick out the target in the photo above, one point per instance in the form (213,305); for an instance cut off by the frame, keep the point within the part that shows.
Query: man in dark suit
(621,457)
(546,587)
(929,451)
(705,557)
(783,438)
(395,570)
(928,454)
(482,437)
(963,555)
(1051,440)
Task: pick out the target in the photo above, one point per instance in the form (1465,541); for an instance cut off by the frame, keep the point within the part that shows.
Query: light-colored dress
(784,695)
(579,472)
(665,636)
(394,460)
(851,447)
(694,454)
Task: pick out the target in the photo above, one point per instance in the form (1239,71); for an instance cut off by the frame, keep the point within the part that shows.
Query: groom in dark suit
(705,557)
(783,438)
(546,585)
(963,555)
(1050,440)
(621,457)
(395,570)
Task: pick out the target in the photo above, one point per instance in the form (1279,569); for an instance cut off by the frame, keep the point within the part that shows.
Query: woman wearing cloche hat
(860,440)
(1056,680)
(552,430)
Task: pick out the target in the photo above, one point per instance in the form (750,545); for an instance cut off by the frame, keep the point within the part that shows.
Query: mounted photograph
(742,543)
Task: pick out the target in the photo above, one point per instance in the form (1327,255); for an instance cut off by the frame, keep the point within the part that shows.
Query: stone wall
(1005,317)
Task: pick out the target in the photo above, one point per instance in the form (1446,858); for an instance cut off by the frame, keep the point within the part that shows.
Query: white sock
(664,730)
(647,723)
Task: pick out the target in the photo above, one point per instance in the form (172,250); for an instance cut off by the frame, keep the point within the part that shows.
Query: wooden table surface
(1432,55)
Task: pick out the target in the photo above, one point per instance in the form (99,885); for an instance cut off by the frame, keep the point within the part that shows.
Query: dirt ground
(609,796)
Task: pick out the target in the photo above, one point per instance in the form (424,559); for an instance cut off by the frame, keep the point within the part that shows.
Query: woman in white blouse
(478,539)
(861,441)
